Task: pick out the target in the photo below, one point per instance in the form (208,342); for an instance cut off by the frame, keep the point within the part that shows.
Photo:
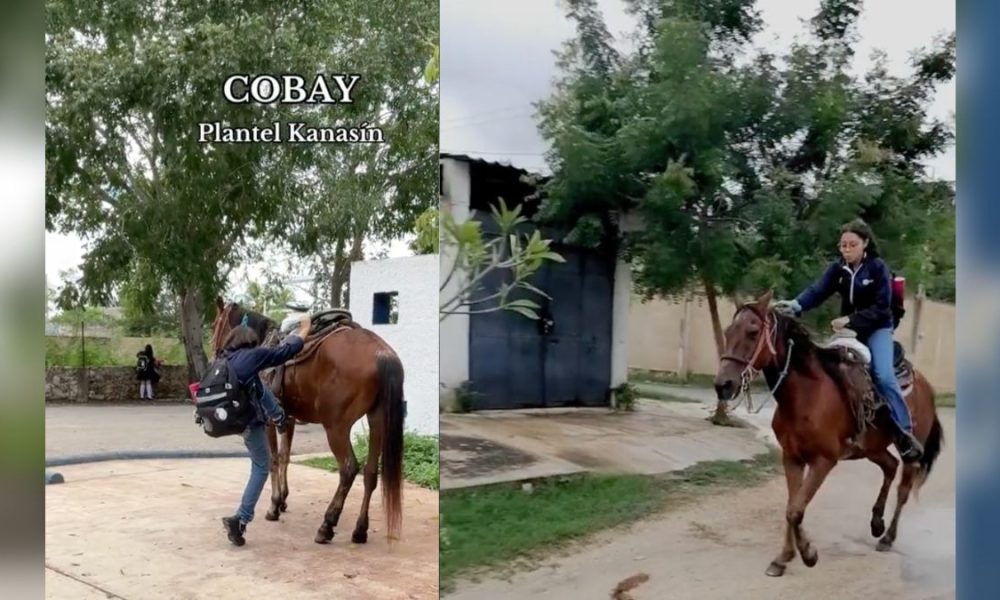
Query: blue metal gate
(514,362)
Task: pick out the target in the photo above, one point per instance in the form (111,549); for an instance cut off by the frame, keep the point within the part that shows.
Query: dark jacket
(247,363)
(148,373)
(865,294)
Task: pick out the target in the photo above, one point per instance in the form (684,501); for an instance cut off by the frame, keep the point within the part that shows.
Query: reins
(767,336)
(221,320)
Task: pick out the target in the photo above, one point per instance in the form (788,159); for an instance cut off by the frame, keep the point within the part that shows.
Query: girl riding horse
(864,283)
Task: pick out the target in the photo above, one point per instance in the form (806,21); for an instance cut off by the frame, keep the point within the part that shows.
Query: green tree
(268,299)
(128,85)
(72,309)
(149,307)
(738,165)
(428,233)
(374,192)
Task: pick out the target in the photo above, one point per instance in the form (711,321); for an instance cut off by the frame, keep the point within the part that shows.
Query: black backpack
(222,404)
(141,364)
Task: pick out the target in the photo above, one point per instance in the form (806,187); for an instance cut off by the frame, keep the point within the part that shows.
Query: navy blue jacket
(865,294)
(247,363)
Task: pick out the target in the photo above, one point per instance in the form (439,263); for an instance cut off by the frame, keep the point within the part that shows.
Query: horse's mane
(830,359)
(260,324)
(231,315)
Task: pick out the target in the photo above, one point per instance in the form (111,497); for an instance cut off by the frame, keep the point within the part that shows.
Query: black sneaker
(910,449)
(235,528)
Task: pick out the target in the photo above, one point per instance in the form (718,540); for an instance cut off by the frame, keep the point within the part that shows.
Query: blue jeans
(269,405)
(260,458)
(880,344)
(260,455)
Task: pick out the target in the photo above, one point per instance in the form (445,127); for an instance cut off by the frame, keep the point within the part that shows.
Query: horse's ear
(764,302)
(220,303)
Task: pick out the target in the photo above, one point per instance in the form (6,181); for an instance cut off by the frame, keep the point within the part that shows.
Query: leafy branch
(477,257)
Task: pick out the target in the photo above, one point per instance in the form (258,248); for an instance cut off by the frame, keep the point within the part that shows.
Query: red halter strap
(762,338)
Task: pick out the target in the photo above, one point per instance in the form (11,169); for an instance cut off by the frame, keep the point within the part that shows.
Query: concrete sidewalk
(658,437)
(759,418)
(149,530)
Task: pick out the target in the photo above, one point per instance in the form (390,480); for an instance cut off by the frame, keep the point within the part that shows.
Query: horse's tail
(390,399)
(932,448)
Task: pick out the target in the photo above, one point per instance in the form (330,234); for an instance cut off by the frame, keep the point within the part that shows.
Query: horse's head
(749,346)
(229,316)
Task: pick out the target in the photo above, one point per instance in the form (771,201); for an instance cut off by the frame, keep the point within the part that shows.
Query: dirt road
(150,530)
(720,548)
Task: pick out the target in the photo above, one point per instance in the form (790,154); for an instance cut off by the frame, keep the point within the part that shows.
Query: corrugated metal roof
(483,161)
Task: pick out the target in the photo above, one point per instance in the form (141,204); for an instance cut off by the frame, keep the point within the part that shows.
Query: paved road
(84,429)
(720,548)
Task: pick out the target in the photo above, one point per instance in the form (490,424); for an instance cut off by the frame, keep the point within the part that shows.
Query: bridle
(224,318)
(221,320)
(767,337)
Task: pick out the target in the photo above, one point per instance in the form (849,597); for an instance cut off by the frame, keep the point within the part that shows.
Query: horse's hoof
(323,538)
(775,570)
(270,516)
(884,545)
(359,537)
(878,527)
(810,557)
(283,507)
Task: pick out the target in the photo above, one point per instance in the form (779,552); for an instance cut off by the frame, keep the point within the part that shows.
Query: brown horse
(336,379)
(815,421)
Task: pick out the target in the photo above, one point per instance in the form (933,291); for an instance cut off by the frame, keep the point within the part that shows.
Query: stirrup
(914,449)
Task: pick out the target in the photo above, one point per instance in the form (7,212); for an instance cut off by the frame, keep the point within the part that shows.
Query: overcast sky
(497,58)
(64,252)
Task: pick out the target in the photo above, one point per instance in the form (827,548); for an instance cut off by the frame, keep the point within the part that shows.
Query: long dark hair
(861,229)
(239,337)
(149,351)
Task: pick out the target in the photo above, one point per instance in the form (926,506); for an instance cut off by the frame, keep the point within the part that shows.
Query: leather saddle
(856,352)
(322,321)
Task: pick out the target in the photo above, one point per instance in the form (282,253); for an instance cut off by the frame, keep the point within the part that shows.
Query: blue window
(385,308)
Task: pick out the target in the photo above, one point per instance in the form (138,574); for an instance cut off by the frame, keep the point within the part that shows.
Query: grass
(652,393)
(502,526)
(702,380)
(945,400)
(117,351)
(420,459)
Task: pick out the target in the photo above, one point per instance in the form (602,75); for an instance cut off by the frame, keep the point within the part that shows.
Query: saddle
(854,351)
(866,400)
(322,322)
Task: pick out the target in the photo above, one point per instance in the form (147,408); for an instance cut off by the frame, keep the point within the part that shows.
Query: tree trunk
(720,417)
(713,308)
(191,332)
(685,351)
(337,280)
(342,274)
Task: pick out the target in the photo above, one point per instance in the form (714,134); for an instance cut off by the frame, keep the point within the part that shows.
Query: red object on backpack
(193,388)
(899,286)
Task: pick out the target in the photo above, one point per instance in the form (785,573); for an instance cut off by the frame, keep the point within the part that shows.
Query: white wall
(619,322)
(414,337)
(454,329)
